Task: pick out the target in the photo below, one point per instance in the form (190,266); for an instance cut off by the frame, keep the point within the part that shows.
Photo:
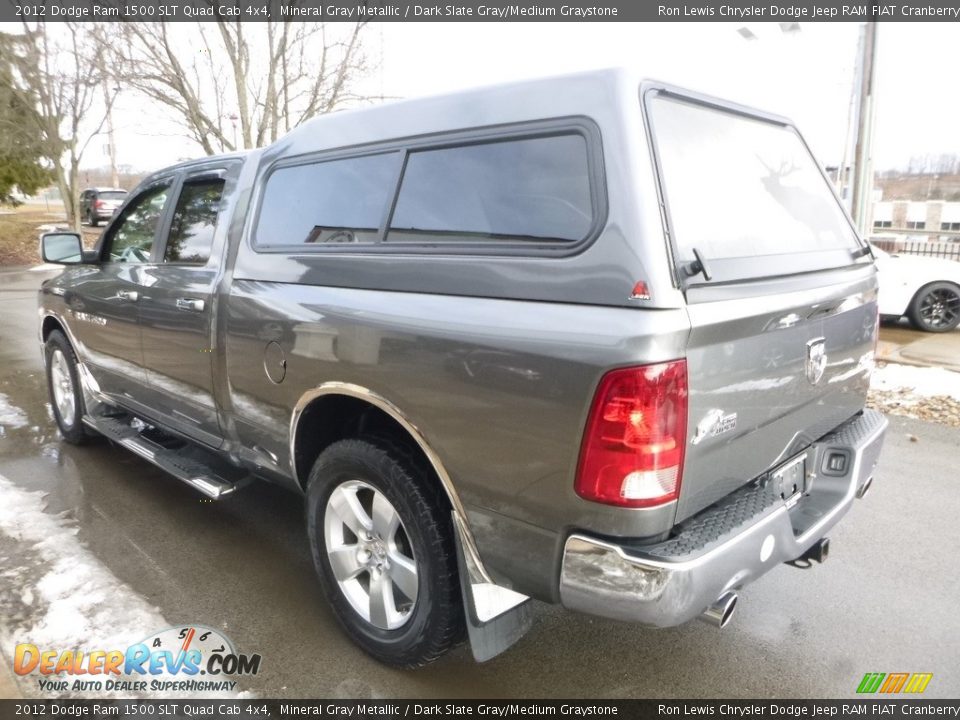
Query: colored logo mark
(894,683)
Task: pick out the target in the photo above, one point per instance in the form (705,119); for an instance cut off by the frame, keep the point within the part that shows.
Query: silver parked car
(592,340)
(99,204)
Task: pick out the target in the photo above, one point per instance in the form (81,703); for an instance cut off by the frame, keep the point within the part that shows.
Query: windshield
(112,195)
(741,188)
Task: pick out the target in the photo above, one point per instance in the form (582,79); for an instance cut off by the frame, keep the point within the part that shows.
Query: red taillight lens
(99,204)
(632,452)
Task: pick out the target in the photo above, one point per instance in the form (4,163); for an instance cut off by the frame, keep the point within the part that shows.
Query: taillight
(99,204)
(632,451)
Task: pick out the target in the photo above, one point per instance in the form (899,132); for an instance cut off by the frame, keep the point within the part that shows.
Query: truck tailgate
(768,376)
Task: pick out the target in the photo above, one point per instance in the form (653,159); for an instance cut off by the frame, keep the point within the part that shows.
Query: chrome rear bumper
(727,546)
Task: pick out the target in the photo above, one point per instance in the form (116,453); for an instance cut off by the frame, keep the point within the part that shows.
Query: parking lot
(148,550)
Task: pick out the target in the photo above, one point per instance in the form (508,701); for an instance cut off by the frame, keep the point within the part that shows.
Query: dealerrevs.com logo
(181,659)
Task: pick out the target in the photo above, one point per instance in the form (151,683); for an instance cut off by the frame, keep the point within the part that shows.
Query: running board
(180,458)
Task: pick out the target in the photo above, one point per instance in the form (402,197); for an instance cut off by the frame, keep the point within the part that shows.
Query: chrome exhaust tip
(865,488)
(721,611)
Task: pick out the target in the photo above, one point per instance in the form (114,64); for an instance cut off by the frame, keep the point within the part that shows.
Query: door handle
(128,295)
(190,304)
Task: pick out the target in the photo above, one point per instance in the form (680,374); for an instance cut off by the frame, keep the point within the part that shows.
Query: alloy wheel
(940,308)
(370,554)
(62,384)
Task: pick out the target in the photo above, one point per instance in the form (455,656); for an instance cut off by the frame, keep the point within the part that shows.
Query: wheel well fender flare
(375,400)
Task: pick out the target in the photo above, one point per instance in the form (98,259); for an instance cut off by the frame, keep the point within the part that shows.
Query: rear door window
(194,221)
(522,190)
(746,193)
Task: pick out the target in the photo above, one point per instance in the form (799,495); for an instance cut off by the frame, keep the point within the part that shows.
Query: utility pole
(232,117)
(111,142)
(862,158)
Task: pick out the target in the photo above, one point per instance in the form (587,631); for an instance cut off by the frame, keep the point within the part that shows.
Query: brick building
(933,220)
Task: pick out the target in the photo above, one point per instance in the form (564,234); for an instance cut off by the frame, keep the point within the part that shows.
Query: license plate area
(790,479)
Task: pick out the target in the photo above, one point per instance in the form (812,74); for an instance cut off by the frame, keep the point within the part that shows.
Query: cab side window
(194,220)
(131,238)
(330,202)
(531,190)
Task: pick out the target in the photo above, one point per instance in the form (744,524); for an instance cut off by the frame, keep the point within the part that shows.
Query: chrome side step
(186,462)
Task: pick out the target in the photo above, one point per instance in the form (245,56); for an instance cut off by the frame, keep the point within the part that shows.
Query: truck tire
(66,394)
(92,219)
(935,307)
(382,544)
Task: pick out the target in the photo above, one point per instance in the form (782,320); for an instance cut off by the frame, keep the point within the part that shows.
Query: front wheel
(66,394)
(936,307)
(382,544)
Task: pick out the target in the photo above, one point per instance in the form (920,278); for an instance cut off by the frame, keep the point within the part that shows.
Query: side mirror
(61,246)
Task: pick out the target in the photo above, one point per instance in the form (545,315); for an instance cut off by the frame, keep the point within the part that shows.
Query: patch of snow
(86,604)
(921,381)
(10,415)
(77,602)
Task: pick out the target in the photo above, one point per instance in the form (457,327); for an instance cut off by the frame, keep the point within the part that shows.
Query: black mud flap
(489,635)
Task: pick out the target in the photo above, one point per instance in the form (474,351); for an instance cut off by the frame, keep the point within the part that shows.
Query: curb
(11,269)
(896,357)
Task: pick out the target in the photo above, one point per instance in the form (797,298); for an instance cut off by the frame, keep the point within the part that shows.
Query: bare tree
(942,164)
(57,74)
(232,85)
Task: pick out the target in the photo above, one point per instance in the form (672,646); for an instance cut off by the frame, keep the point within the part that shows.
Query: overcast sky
(806,75)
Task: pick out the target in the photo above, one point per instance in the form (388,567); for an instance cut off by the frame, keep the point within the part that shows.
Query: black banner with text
(471,10)
(257,709)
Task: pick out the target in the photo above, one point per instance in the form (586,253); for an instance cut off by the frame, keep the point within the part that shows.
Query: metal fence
(947,250)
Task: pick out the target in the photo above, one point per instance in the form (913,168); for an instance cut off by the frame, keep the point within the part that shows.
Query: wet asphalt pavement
(884,602)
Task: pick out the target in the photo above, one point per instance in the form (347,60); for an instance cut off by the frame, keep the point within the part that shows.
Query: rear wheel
(936,307)
(66,394)
(92,219)
(382,544)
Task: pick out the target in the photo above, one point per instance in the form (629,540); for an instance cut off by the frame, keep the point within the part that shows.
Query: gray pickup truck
(592,340)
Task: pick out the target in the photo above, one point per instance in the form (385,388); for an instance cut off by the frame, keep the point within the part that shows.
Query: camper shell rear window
(745,193)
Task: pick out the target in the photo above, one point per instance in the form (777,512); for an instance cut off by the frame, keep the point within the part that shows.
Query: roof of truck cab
(206,160)
(597,94)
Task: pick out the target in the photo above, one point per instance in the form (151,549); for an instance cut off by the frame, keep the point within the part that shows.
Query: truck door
(176,314)
(104,306)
